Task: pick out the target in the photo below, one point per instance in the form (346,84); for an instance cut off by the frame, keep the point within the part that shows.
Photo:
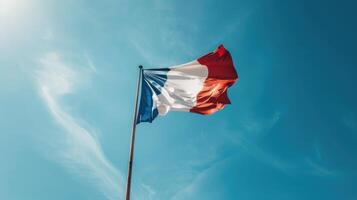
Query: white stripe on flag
(180,90)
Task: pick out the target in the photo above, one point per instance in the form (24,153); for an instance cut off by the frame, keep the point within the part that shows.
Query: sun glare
(8,7)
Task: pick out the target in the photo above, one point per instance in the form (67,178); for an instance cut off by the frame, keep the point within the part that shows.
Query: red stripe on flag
(221,75)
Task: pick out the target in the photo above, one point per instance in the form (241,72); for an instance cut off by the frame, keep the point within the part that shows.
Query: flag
(199,86)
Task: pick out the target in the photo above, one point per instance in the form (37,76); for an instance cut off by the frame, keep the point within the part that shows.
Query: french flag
(199,86)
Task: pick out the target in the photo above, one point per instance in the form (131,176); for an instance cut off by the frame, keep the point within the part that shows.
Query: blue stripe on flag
(153,81)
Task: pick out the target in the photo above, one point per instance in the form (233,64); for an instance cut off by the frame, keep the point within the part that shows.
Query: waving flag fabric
(199,86)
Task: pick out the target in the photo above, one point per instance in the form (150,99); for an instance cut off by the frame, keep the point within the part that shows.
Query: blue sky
(68,71)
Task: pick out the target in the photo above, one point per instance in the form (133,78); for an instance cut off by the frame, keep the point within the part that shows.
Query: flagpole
(131,153)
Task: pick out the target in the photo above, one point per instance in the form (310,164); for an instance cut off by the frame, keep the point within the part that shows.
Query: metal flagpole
(131,153)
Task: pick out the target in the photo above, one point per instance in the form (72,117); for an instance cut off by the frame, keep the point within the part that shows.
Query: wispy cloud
(259,126)
(90,62)
(81,152)
(192,187)
(242,144)
(319,169)
(150,192)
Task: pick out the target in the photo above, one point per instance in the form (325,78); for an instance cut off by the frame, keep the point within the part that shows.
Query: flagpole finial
(140,66)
